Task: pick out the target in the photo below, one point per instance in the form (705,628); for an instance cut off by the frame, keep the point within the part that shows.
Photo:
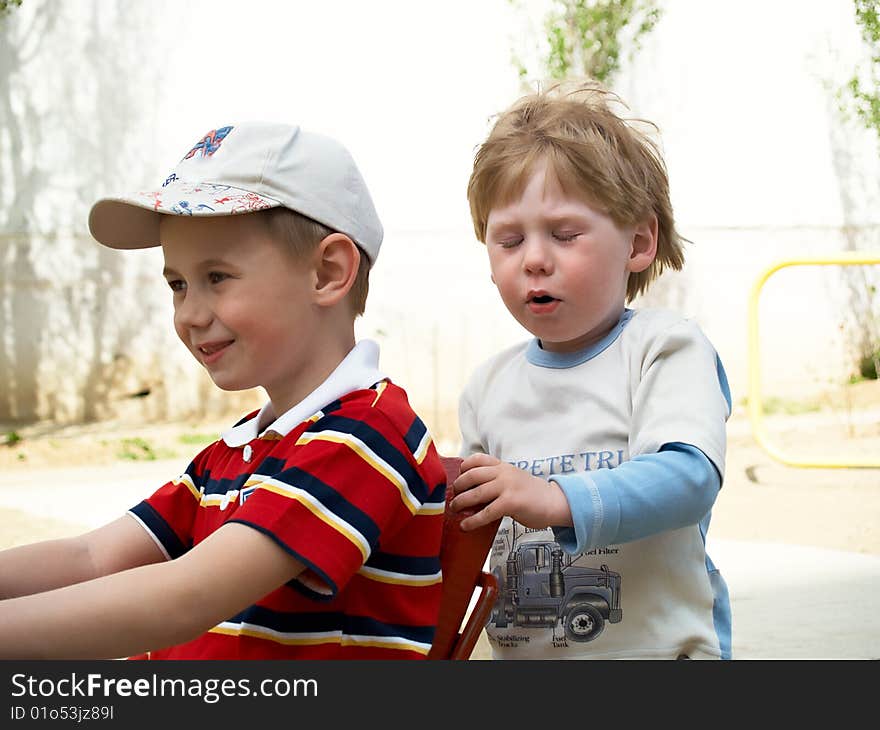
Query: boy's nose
(192,312)
(536,257)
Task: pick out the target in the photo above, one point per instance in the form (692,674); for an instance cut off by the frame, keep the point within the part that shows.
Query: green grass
(138,449)
(197,439)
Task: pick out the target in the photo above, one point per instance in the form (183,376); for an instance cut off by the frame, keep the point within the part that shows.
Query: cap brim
(132,221)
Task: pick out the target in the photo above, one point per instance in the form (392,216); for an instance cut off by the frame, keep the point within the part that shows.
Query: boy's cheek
(184,338)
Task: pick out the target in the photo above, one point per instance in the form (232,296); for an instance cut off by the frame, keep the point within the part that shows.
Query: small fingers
(473,478)
(475,460)
(482,517)
(472,498)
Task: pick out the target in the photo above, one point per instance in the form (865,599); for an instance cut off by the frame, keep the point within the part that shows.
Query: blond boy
(602,440)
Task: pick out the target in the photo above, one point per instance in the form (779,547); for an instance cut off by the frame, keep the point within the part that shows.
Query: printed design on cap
(210,143)
(205,199)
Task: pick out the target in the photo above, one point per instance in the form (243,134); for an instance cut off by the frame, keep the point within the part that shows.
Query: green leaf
(593,37)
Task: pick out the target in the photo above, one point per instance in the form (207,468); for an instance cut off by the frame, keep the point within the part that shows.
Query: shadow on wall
(87,336)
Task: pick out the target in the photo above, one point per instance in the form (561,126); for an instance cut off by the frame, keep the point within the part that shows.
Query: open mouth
(540,302)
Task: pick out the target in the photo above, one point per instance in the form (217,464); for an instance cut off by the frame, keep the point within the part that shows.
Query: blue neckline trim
(545,359)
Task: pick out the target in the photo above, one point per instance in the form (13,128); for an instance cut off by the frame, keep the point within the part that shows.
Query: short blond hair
(592,151)
(303,235)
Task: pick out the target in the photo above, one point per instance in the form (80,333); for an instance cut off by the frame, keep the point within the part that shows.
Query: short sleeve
(169,513)
(467,423)
(680,396)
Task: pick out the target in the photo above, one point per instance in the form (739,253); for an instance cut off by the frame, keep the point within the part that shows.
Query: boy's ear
(337,259)
(644,245)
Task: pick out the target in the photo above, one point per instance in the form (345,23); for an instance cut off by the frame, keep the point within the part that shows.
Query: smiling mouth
(213,347)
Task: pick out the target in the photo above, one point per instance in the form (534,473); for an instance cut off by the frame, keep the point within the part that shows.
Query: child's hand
(488,489)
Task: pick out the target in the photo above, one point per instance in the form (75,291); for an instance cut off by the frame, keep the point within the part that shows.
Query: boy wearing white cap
(311,529)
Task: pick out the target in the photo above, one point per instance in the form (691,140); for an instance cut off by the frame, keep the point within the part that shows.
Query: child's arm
(151,606)
(649,494)
(42,566)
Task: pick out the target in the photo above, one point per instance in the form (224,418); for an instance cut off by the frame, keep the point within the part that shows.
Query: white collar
(359,369)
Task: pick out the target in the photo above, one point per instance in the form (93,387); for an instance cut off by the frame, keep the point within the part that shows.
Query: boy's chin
(230,386)
(546,333)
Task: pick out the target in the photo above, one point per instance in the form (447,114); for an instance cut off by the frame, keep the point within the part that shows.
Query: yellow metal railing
(756,402)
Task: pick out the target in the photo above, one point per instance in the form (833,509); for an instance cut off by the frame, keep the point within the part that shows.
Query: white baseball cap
(243,168)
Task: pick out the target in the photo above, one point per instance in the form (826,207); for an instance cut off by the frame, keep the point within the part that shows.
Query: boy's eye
(564,236)
(177,284)
(510,242)
(215,277)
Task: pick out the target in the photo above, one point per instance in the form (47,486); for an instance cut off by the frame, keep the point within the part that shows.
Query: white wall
(760,165)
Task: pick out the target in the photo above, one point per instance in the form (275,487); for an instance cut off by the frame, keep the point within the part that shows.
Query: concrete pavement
(89,496)
(800,602)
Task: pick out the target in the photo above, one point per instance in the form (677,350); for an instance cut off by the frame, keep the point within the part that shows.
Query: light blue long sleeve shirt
(650,493)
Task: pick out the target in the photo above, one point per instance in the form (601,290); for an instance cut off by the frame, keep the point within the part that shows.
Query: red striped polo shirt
(355,491)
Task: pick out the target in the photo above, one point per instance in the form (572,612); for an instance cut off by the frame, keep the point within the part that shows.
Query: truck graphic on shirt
(542,588)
